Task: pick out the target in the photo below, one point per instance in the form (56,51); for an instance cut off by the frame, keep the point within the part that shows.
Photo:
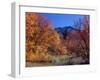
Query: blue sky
(61,20)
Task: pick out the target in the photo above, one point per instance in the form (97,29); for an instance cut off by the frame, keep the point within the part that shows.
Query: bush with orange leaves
(39,36)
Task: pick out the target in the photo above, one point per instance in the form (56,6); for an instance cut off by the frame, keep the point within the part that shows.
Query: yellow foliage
(31,57)
(39,35)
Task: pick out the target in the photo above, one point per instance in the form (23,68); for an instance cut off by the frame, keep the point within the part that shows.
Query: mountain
(64,31)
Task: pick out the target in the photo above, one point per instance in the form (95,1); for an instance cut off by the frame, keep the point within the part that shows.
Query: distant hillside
(65,31)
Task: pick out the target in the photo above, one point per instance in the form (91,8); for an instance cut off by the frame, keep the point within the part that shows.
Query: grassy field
(55,60)
(58,61)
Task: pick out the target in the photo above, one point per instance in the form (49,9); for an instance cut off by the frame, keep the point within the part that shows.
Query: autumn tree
(40,35)
(85,37)
(83,33)
(77,42)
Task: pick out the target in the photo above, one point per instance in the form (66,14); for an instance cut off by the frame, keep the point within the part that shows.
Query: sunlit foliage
(40,36)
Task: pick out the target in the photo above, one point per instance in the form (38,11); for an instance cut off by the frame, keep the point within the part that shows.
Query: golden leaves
(39,36)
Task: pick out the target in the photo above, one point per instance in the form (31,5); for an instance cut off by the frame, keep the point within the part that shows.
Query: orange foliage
(39,35)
